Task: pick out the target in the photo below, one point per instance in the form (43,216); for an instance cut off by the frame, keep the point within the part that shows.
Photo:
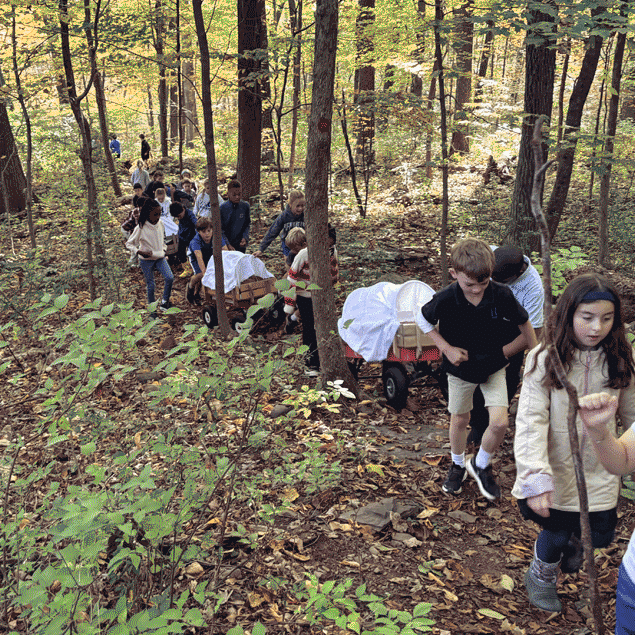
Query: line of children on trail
(479,325)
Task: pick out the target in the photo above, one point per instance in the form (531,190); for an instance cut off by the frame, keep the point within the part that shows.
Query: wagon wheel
(238,323)
(396,386)
(210,316)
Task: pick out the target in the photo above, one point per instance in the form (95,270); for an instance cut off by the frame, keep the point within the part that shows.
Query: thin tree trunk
(158,24)
(558,198)
(438,17)
(150,109)
(540,167)
(486,53)
(351,161)
(598,118)
(179,83)
(94,236)
(332,360)
(365,85)
(605,181)
(563,84)
(463,44)
(29,134)
(430,106)
(208,119)
(295,12)
(249,96)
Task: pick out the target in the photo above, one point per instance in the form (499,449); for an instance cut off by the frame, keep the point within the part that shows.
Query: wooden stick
(536,209)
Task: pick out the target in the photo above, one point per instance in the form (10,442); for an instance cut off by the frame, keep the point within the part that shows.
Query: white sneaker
(311,372)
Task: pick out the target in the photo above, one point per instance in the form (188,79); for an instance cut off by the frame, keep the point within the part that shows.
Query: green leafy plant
(563,260)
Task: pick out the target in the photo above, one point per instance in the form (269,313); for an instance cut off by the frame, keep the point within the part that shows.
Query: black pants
(309,336)
(479,417)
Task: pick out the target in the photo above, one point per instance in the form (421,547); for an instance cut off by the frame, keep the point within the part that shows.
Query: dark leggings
(309,337)
(559,526)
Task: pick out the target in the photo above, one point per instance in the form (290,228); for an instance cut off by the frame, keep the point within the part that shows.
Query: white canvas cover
(237,267)
(372,315)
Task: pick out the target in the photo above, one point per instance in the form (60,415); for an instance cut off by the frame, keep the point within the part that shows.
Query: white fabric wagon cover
(372,315)
(237,267)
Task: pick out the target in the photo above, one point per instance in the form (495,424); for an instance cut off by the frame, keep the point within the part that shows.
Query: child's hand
(144,253)
(243,242)
(258,254)
(596,411)
(456,355)
(541,503)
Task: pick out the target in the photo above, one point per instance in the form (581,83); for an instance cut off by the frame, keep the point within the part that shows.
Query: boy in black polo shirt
(473,316)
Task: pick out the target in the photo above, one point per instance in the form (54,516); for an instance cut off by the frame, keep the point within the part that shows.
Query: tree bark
(210,151)
(364,96)
(438,19)
(540,66)
(463,43)
(332,360)
(249,96)
(268,136)
(486,53)
(577,100)
(94,236)
(295,13)
(10,167)
(605,181)
(158,25)
(8,136)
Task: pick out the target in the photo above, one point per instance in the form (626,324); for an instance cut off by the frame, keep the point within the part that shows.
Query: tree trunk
(267,114)
(208,120)
(150,109)
(158,24)
(577,100)
(463,44)
(249,100)
(188,80)
(10,167)
(332,360)
(365,84)
(486,53)
(430,106)
(174,110)
(94,236)
(295,12)
(605,181)
(563,84)
(8,136)
(540,65)
(438,62)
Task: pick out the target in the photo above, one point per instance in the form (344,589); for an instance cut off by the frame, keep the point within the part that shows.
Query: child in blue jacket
(293,216)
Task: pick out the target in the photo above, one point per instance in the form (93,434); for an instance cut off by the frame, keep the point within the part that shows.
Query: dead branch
(536,209)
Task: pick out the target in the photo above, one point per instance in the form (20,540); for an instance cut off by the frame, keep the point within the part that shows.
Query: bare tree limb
(536,210)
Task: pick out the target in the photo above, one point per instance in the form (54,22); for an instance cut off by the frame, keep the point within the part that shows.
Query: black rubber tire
(238,322)
(354,368)
(210,316)
(396,386)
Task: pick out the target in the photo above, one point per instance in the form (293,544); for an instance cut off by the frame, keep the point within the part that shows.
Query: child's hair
(205,182)
(295,239)
(203,223)
(159,190)
(137,186)
(142,136)
(294,195)
(509,263)
(473,257)
(618,351)
(140,164)
(113,136)
(185,171)
(146,205)
(157,174)
(175,209)
(233,184)
(332,234)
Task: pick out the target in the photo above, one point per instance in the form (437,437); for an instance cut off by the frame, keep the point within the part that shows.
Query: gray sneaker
(454,480)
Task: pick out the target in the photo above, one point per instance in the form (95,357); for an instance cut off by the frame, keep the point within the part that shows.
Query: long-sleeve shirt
(282,225)
(148,238)
(300,272)
(235,221)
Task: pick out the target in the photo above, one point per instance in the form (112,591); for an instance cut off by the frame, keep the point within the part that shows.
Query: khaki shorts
(460,393)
